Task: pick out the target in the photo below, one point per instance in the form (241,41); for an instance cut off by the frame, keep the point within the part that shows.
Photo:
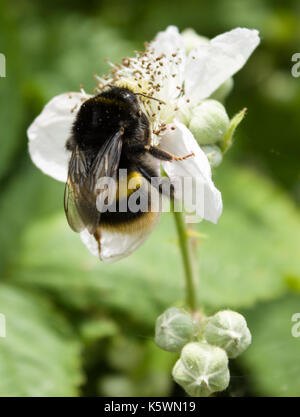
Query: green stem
(187,258)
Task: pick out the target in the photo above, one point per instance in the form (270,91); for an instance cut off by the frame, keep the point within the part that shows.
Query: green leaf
(147,367)
(39,356)
(247,256)
(93,329)
(234,122)
(273,358)
(28,196)
(11,104)
(11,99)
(64,58)
(54,257)
(116,386)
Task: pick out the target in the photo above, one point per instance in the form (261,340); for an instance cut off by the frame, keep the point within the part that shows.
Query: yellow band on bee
(126,188)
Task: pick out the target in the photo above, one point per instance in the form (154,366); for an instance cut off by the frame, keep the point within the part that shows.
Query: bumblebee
(110,133)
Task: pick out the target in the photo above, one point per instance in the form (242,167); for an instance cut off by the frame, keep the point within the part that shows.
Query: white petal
(170,44)
(168,41)
(117,245)
(181,142)
(49,132)
(208,66)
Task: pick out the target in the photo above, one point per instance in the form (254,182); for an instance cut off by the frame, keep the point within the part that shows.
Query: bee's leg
(156,152)
(162,184)
(164,155)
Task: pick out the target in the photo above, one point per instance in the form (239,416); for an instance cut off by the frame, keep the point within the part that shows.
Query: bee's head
(125,96)
(102,115)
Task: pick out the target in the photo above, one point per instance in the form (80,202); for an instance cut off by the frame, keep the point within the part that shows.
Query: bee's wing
(81,187)
(79,204)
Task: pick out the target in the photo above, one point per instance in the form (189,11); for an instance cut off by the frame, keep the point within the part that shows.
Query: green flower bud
(192,40)
(209,122)
(185,114)
(202,369)
(173,329)
(228,330)
(214,154)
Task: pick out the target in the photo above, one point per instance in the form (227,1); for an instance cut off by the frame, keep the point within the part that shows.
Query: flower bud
(214,154)
(209,122)
(202,369)
(228,330)
(192,40)
(173,329)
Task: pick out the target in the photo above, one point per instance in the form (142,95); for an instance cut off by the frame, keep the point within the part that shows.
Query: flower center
(158,80)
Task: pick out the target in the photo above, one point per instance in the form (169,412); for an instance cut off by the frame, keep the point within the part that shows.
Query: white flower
(178,82)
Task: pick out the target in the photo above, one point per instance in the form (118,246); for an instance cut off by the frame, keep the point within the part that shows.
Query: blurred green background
(78,327)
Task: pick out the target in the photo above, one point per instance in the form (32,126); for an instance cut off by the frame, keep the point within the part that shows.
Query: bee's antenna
(151,98)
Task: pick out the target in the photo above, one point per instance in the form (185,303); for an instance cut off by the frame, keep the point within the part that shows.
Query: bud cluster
(204,347)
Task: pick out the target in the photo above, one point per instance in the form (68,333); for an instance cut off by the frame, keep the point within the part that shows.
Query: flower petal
(167,42)
(181,142)
(208,66)
(115,245)
(49,132)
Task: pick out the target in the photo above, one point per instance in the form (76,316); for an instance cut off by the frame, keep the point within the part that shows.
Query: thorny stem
(187,259)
